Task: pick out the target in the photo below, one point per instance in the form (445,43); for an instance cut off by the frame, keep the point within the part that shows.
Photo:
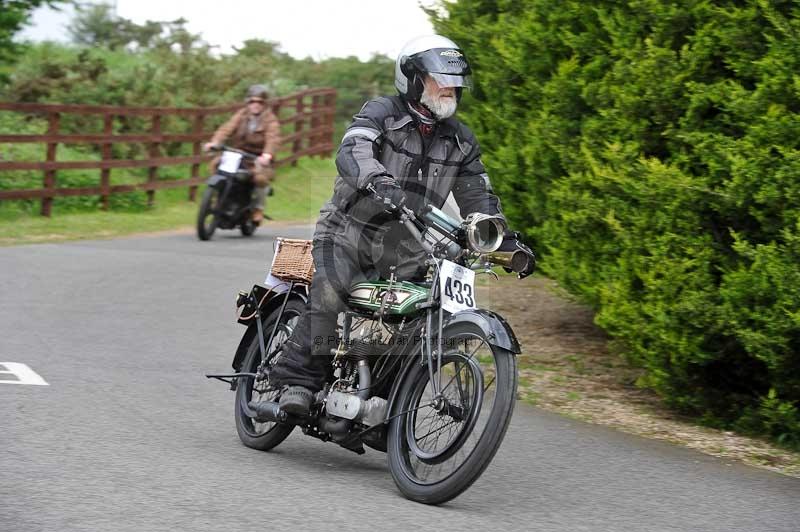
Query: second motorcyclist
(255,129)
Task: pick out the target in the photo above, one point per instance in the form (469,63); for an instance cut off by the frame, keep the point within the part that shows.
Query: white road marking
(23,374)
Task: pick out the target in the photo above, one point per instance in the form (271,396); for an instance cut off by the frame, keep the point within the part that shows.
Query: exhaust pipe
(514,260)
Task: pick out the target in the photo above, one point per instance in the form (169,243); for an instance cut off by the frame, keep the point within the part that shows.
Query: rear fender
(269,299)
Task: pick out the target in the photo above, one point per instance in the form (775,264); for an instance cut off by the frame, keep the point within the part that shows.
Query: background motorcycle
(420,372)
(227,200)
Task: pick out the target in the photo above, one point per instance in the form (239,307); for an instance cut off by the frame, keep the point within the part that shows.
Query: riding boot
(257,203)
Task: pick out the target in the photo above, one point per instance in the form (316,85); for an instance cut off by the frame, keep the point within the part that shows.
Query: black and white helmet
(436,56)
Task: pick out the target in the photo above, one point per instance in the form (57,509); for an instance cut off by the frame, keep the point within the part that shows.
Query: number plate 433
(457,287)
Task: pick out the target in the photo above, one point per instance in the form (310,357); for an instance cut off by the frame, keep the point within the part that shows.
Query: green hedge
(651,149)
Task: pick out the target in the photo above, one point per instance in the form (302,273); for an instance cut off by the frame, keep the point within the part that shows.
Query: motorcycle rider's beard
(441,107)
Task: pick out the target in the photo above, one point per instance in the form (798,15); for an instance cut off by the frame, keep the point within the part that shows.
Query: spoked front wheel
(254,434)
(443,442)
(206,217)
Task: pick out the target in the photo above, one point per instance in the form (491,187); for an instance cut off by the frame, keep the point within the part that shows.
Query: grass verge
(299,193)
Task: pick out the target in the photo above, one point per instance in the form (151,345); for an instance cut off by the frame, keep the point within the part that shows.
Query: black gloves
(512,242)
(389,193)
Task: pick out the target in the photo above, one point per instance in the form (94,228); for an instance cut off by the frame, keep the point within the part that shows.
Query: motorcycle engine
(351,396)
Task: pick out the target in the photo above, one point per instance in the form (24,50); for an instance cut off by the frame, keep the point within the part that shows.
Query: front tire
(264,436)
(206,219)
(478,419)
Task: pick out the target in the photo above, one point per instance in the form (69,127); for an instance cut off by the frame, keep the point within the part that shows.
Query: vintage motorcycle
(226,202)
(420,372)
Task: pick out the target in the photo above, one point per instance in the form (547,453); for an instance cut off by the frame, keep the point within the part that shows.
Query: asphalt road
(129,435)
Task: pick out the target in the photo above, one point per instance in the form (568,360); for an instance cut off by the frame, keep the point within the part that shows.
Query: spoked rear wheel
(206,219)
(254,434)
(248,227)
(445,442)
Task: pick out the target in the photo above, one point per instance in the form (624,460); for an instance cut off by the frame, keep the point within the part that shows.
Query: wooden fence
(306,129)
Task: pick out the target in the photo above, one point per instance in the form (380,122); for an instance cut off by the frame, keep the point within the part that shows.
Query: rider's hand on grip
(389,193)
(512,241)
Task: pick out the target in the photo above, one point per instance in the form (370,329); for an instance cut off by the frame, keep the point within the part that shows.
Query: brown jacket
(265,138)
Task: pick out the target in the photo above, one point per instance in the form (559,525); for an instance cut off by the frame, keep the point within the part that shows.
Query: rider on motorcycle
(255,129)
(399,150)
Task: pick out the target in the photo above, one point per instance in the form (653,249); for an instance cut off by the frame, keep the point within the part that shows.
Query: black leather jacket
(384,139)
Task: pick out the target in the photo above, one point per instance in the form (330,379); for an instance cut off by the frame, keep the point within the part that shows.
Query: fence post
(330,119)
(196,150)
(54,120)
(153,152)
(105,173)
(316,120)
(299,107)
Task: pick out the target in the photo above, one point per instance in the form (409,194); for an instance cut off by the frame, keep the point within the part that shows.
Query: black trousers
(341,259)
(345,253)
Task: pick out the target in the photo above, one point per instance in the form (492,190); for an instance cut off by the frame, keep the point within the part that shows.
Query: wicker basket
(293,260)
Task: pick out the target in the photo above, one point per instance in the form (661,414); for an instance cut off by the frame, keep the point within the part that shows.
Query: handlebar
(431,217)
(245,154)
(407,218)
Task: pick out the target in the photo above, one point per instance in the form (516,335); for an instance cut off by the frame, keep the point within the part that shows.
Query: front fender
(269,300)
(217,181)
(497,330)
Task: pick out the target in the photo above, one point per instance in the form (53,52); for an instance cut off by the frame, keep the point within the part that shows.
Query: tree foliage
(98,25)
(652,151)
(118,62)
(14,14)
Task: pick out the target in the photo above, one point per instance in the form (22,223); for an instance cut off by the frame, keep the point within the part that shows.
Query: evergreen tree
(652,150)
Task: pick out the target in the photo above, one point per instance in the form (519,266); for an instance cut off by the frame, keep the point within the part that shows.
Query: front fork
(406,218)
(432,306)
(223,196)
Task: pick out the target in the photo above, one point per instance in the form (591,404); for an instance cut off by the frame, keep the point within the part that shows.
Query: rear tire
(264,436)
(206,219)
(467,453)
(248,228)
